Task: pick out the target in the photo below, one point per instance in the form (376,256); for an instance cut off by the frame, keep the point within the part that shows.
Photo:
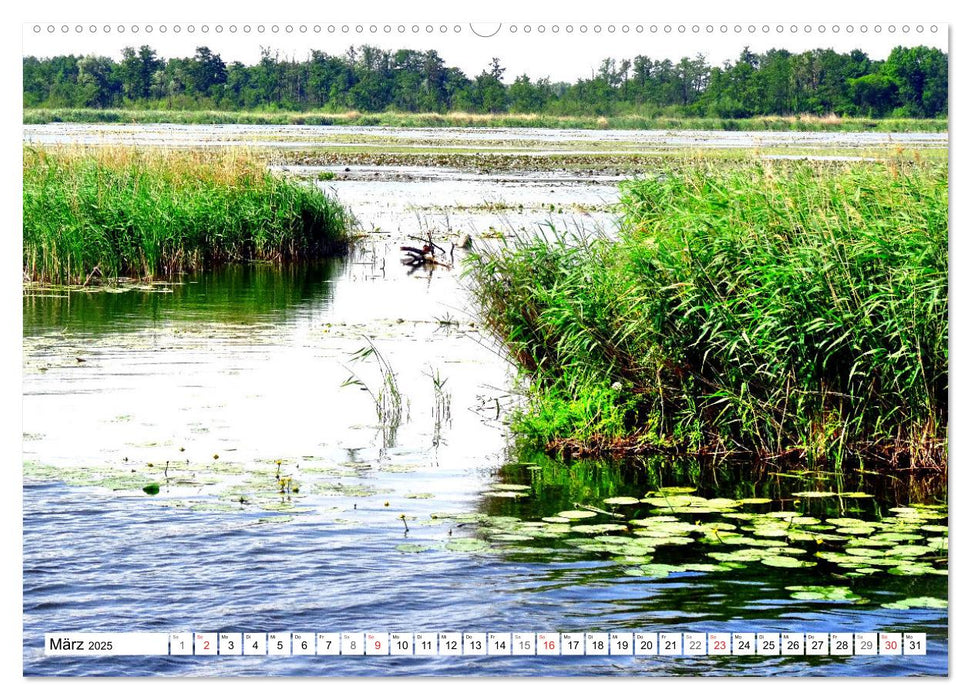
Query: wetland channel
(281,492)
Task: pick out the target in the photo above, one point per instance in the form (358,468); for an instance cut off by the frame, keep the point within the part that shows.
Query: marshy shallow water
(217,386)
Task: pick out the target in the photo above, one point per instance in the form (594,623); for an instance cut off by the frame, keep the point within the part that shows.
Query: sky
(558,50)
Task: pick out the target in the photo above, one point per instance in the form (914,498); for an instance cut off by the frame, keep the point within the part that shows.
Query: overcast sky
(558,50)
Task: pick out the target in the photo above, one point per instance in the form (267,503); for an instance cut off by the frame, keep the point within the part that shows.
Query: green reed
(113,212)
(783,309)
(804,122)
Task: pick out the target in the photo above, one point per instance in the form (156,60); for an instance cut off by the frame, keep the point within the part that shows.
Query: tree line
(910,82)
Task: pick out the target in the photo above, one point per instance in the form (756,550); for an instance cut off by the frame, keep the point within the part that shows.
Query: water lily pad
(654,539)
(847,522)
(814,494)
(755,501)
(896,536)
(674,501)
(648,522)
(721,503)
(576,514)
(705,568)
(822,593)
(855,530)
(854,494)
(510,537)
(503,494)
(621,501)
(555,519)
(912,569)
(411,548)
(784,562)
(921,602)
(769,532)
(739,555)
(909,551)
(466,544)
(512,487)
(865,552)
(674,489)
(605,527)
(659,570)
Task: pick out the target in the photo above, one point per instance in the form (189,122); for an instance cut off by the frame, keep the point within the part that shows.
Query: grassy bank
(777,309)
(459,119)
(106,213)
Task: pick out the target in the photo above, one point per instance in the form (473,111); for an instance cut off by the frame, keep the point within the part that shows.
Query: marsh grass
(775,309)
(804,122)
(110,212)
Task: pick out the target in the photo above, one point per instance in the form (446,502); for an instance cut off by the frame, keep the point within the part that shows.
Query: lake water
(282,490)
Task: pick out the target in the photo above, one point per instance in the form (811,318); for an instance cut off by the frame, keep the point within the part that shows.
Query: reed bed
(777,309)
(801,122)
(103,213)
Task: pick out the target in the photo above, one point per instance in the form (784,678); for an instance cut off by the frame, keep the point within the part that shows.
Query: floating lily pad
(909,551)
(847,522)
(784,562)
(674,501)
(855,530)
(503,494)
(814,494)
(510,537)
(659,570)
(822,593)
(755,501)
(555,519)
(865,552)
(410,548)
(739,555)
(605,527)
(922,602)
(466,544)
(621,501)
(576,514)
(913,569)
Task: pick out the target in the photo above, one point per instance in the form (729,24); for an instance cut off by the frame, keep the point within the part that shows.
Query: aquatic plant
(103,213)
(774,309)
(387,397)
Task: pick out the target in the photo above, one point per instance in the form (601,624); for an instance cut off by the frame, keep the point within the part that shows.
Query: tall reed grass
(804,122)
(111,212)
(783,309)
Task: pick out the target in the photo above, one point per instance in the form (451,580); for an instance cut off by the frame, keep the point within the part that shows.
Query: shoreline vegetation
(801,122)
(98,214)
(777,310)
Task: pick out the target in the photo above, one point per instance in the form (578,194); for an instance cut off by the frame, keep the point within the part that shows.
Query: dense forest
(911,82)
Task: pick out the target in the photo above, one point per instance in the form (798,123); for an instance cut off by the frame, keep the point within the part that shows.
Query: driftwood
(417,257)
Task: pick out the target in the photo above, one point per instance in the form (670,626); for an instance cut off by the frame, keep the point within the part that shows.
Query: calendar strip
(486,644)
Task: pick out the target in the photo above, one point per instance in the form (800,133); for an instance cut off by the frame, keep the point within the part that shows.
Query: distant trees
(911,82)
